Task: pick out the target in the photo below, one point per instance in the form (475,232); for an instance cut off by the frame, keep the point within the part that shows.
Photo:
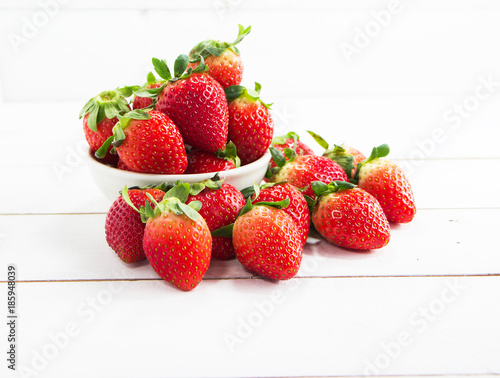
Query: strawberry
(250,123)
(145,102)
(349,217)
(301,171)
(100,116)
(347,157)
(122,166)
(267,241)
(222,58)
(291,140)
(220,206)
(297,209)
(124,228)
(388,183)
(206,162)
(195,102)
(148,142)
(177,241)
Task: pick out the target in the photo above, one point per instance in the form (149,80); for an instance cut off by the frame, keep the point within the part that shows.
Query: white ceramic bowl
(111,180)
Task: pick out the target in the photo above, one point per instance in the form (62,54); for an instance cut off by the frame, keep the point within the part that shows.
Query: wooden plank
(437,242)
(306,327)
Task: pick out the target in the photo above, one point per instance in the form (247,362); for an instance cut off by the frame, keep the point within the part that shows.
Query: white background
(422,76)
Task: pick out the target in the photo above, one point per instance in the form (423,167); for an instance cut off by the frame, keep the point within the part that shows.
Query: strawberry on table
(124,227)
(223,58)
(301,171)
(347,157)
(195,102)
(251,125)
(100,116)
(177,240)
(292,141)
(349,217)
(267,241)
(148,142)
(387,182)
(276,192)
(221,203)
(206,162)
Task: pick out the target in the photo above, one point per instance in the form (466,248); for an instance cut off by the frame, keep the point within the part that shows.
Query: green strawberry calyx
(229,153)
(216,48)
(227,231)
(283,138)
(280,158)
(338,154)
(255,190)
(234,92)
(173,201)
(107,104)
(377,152)
(119,136)
(320,188)
(214,183)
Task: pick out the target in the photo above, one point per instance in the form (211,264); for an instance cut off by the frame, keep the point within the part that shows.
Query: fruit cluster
(199,120)
(181,227)
(194,119)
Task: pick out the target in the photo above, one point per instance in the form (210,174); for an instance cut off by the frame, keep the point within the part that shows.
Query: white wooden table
(427,304)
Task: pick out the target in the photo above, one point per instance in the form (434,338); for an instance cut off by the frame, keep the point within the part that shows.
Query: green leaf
(282,138)
(289,153)
(310,202)
(151,78)
(127,91)
(92,120)
(110,110)
(242,33)
(343,185)
(139,114)
(162,69)
(189,211)
(196,188)
(248,191)
(126,197)
(278,156)
(202,67)
(196,205)
(118,135)
(180,65)
(278,204)
(225,232)
(319,188)
(323,143)
(383,150)
(87,107)
(180,191)
(103,150)
(234,91)
(258,87)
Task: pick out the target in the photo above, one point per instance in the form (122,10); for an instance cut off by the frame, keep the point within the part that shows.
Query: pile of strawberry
(200,119)
(181,227)
(196,119)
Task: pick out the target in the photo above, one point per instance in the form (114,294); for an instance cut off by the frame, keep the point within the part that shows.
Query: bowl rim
(191,176)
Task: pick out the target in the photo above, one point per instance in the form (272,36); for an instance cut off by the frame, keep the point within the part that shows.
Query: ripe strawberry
(349,217)
(267,241)
(124,227)
(388,183)
(122,166)
(195,102)
(222,58)
(100,116)
(206,162)
(297,209)
(220,206)
(148,142)
(301,171)
(347,157)
(250,123)
(291,140)
(177,241)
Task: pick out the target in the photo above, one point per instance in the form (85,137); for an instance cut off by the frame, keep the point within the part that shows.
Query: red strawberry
(347,157)
(206,162)
(144,102)
(220,206)
(301,171)
(124,227)
(222,58)
(122,166)
(297,209)
(100,116)
(267,241)
(388,183)
(250,123)
(349,216)
(291,141)
(148,142)
(177,241)
(195,102)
